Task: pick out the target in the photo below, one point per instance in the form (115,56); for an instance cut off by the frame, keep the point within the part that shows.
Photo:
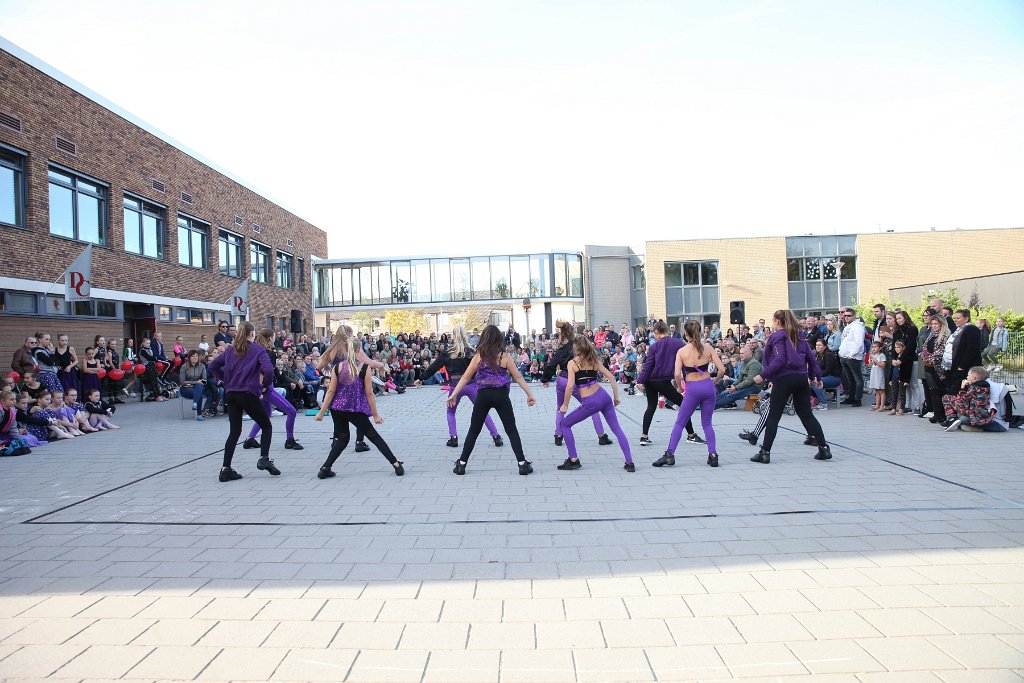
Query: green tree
(362,322)
(404,320)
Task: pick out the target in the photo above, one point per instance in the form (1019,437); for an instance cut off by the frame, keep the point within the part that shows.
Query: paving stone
(375,665)
(623,664)
(315,665)
(174,662)
(245,663)
(687,663)
(103,661)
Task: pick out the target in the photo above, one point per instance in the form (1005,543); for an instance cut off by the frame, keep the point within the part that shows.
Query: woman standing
(789,364)
(130,377)
(66,360)
(496,370)
(272,400)
(558,362)
(833,336)
(350,400)
(47,364)
(583,370)
(694,359)
(656,380)
(455,363)
(934,375)
(332,356)
(248,374)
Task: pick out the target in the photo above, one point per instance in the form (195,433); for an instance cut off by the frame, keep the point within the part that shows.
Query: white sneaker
(929,416)
(955,425)
(821,406)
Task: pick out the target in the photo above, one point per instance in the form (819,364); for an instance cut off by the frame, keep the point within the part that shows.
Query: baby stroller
(165,385)
(762,403)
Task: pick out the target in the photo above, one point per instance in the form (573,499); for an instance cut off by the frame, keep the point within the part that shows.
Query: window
(78,207)
(639,280)
(164,314)
(481,271)
(259,262)
(12,187)
(691,290)
(143,227)
(193,242)
(18,302)
(822,272)
(302,274)
(229,248)
(284,270)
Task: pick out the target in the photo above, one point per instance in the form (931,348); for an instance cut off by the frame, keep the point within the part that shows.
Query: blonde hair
(459,342)
(343,333)
(350,355)
(241,343)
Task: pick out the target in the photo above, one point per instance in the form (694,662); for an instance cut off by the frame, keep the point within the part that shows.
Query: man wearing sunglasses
(851,357)
(222,336)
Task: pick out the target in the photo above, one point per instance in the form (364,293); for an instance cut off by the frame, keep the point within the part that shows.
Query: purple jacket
(660,363)
(243,374)
(780,358)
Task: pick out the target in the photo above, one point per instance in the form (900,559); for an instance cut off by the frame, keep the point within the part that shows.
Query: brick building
(172,235)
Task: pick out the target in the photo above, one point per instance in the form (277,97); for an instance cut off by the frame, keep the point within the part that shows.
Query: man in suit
(962,351)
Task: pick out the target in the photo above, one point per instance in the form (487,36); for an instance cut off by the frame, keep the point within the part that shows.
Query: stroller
(762,404)
(165,385)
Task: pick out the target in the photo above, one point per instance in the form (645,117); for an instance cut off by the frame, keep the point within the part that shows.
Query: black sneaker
(824,453)
(361,447)
(763,457)
(604,440)
(669,406)
(268,465)
(695,438)
(293,445)
(644,441)
(228,474)
(525,467)
(497,441)
(749,437)
(558,440)
(666,459)
(712,459)
(810,441)
(460,467)
(325,473)
(399,470)
(570,464)
(453,442)
(251,443)
(629,467)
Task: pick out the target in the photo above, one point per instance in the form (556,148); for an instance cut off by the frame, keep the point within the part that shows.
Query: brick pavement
(899,560)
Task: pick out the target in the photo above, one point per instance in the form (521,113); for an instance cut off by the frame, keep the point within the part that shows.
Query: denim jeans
(827,382)
(728,397)
(201,398)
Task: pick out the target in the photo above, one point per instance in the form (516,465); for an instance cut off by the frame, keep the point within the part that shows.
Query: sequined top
(350,395)
(487,376)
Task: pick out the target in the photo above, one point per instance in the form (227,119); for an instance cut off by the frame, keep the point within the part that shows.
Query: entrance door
(141,329)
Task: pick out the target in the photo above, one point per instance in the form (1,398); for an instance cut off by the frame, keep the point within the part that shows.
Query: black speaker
(296,321)
(737,314)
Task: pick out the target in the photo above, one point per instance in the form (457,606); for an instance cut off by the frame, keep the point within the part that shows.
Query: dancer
(333,352)
(694,359)
(495,369)
(751,436)
(455,360)
(583,370)
(789,364)
(271,400)
(350,400)
(558,361)
(656,380)
(247,372)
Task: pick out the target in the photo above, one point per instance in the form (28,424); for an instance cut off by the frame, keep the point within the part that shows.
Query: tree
(362,322)
(404,320)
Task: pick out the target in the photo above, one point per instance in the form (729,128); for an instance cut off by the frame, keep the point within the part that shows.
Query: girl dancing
(492,369)
(350,400)
(557,363)
(272,400)
(656,380)
(333,353)
(583,371)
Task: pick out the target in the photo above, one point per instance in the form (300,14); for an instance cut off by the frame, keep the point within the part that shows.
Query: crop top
(584,377)
(699,368)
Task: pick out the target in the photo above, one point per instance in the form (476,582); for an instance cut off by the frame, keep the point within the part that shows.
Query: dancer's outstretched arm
(467,376)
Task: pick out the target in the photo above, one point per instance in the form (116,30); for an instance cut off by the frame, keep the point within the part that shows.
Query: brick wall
(129,158)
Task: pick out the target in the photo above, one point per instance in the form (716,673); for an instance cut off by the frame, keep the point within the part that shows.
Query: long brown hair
(692,329)
(584,352)
(265,337)
(788,320)
(242,338)
(566,333)
(489,347)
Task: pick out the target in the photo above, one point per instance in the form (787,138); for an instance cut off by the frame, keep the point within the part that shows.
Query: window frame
(20,184)
(224,244)
(103,196)
(159,214)
(280,258)
(697,267)
(194,226)
(265,250)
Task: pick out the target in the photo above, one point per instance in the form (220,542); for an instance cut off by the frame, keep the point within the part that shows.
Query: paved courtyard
(122,556)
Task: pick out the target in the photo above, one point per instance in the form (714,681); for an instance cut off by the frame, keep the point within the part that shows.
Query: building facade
(173,237)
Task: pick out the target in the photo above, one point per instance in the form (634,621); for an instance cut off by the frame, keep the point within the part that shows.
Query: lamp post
(526,309)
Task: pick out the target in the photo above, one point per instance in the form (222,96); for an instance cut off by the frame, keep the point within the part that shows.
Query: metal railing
(1010,365)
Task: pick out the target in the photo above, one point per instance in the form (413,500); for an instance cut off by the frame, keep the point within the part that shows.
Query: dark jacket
(782,358)
(456,366)
(967,348)
(660,363)
(557,362)
(829,364)
(513,339)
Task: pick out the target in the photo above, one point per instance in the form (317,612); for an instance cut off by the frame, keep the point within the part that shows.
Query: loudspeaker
(737,314)
(296,321)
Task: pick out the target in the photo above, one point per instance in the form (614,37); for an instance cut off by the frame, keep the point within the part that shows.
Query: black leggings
(782,389)
(342,419)
(238,402)
(665,388)
(497,398)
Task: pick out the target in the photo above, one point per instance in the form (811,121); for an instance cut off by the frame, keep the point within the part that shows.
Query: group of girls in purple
(36,416)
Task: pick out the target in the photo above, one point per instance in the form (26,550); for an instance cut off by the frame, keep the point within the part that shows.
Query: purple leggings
(560,385)
(272,398)
(702,393)
(598,402)
(468,391)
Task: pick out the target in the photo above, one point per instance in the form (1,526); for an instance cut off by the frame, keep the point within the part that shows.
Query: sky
(478,126)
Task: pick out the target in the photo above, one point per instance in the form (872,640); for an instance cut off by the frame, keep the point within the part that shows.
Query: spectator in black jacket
(966,353)
(512,337)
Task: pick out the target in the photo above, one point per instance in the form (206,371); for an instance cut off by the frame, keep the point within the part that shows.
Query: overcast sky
(476,126)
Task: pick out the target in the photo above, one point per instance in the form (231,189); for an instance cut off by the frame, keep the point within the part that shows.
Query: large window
(193,242)
(259,262)
(78,207)
(12,187)
(301,269)
(285,263)
(481,270)
(520,268)
(460,280)
(691,290)
(500,278)
(143,227)
(400,282)
(540,275)
(822,272)
(639,280)
(229,248)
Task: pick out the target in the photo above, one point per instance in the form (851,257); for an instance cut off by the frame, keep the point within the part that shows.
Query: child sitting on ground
(44,409)
(77,409)
(11,440)
(33,429)
(971,407)
(99,412)
(65,416)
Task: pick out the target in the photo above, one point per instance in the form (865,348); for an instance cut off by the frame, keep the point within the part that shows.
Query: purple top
(487,376)
(781,358)
(350,395)
(243,374)
(661,360)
